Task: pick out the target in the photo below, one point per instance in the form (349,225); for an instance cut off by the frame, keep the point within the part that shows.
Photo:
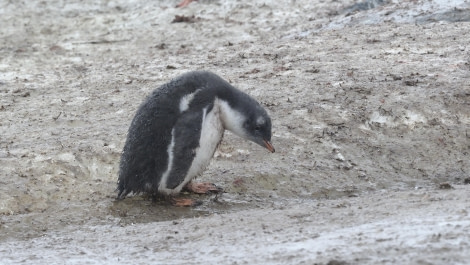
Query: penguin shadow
(147,208)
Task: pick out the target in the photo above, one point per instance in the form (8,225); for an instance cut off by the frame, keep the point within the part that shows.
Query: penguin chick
(176,130)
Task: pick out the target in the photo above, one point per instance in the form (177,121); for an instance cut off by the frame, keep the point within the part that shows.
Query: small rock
(411,82)
(445,186)
(186,19)
(337,262)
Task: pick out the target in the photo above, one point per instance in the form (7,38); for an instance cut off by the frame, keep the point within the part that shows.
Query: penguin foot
(184,202)
(184,3)
(203,188)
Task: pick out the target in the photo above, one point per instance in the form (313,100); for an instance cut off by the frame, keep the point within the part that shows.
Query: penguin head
(257,128)
(249,121)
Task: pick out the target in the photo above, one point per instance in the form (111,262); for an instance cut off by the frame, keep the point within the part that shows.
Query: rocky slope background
(370,104)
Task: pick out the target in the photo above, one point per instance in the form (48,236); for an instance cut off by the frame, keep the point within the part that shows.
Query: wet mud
(370,110)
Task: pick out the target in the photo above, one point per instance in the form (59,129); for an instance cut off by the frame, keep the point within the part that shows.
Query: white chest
(212,132)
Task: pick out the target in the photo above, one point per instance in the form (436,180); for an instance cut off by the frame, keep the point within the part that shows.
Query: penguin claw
(184,3)
(184,202)
(203,188)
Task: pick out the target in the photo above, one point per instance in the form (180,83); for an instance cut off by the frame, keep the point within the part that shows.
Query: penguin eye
(257,128)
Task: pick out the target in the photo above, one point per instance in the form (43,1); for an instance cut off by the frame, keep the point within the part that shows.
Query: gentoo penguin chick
(177,129)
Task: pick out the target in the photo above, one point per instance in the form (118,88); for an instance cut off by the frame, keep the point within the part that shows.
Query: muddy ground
(370,110)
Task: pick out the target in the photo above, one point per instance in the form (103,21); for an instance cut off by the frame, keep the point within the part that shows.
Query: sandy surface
(371,126)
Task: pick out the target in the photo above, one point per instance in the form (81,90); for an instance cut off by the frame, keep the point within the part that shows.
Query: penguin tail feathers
(122,193)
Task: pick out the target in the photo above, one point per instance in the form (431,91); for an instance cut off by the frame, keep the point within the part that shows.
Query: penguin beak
(269,146)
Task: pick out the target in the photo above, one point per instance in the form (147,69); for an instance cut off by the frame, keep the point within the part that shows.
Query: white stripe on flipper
(162,187)
(186,100)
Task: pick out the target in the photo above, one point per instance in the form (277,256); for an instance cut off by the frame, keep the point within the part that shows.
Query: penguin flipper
(187,132)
